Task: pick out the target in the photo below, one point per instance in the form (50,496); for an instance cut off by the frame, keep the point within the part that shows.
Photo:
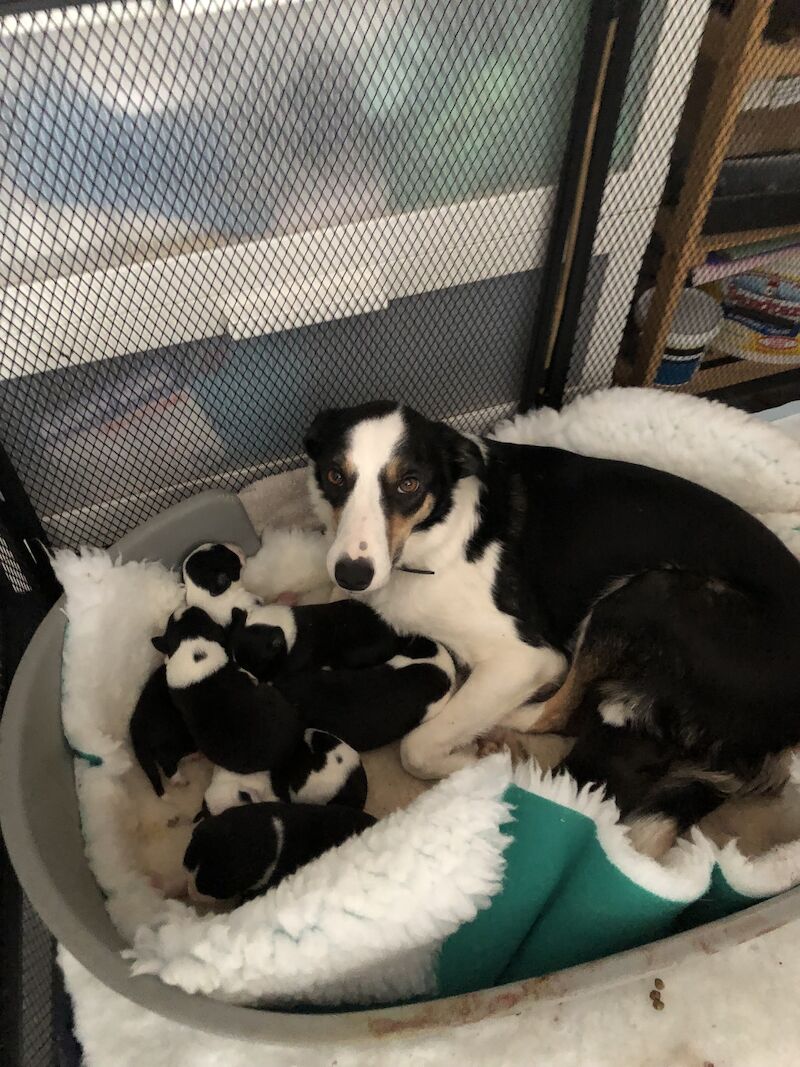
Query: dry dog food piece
(658,1005)
(658,983)
(655,995)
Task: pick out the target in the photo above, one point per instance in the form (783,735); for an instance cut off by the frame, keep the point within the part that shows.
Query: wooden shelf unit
(736,47)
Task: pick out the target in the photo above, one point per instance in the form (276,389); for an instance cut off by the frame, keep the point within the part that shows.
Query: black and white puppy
(159,736)
(375,706)
(237,723)
(680,610)
(212,581)
(247,850)
(276,640)
(321,770)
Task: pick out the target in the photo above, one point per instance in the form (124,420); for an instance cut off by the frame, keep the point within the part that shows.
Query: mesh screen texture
(222,215)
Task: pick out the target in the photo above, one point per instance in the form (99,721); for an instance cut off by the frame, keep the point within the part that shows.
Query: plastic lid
(697,319)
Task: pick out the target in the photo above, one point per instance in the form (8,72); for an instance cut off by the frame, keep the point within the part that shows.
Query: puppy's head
(193,646)
(214,568)
(381,472)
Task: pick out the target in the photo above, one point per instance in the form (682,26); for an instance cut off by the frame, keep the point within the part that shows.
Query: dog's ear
(466,457)
(238,618)
(319,430)
(160,644)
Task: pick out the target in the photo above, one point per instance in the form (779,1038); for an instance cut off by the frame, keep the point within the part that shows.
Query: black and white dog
(322,770)
(375,706)
(275,639)
(247,850)
(681,611)
(212,581)
(236,723)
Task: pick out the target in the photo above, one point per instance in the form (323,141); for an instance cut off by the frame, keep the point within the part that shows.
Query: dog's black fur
(238,724)
(343,634)
(247,850)
(371,707)
(159,736)
(704,637)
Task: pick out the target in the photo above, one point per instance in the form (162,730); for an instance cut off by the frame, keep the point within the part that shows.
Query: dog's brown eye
(335,476)
(408,485)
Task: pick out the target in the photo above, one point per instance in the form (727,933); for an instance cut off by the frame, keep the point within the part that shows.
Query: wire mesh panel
(728,223)
(221,215)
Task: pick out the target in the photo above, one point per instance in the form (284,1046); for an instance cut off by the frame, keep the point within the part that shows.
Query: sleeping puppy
(159,736)
(276,640)
(237,723)
(212,579)
(321,770)
(375,706)
(247,850)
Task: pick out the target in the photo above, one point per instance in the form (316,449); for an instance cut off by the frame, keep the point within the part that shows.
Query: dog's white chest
(453,606)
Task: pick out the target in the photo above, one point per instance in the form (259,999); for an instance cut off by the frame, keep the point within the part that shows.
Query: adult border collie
(679,611)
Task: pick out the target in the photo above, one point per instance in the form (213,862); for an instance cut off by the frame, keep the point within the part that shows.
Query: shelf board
(772,61)
(710,378)
(713,242)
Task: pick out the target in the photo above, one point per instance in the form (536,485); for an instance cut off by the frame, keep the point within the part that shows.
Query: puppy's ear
(221,582)
(160,644)
(319,430)
(238,618)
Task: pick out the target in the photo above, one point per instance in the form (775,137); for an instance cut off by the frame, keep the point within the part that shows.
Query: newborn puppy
(237,723)
(374,706)
(276,640)
(159,736)
(247,850)
(321,770)
(212,579)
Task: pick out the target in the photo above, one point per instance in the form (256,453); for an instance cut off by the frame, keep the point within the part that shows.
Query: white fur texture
(361,532)
(194,660)
(290,561)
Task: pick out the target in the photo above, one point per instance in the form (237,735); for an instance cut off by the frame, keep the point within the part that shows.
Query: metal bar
(610,40)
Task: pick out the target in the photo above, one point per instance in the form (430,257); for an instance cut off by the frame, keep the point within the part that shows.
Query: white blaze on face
(195,659)
(361,533)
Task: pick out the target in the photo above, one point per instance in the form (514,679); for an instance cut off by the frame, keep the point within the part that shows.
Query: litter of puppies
(280,700)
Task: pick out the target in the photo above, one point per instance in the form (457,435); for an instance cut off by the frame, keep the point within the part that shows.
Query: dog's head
(213,568)
(193,646)
(382,472)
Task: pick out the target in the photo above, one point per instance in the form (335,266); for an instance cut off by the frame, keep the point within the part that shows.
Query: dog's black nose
(353,574)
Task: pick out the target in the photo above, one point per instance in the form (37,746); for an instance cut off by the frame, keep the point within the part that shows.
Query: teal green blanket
(575,890)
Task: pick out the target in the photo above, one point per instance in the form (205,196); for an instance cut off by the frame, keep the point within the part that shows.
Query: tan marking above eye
(400,527)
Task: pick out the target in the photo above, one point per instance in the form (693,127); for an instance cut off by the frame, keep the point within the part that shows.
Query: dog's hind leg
(679,801)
